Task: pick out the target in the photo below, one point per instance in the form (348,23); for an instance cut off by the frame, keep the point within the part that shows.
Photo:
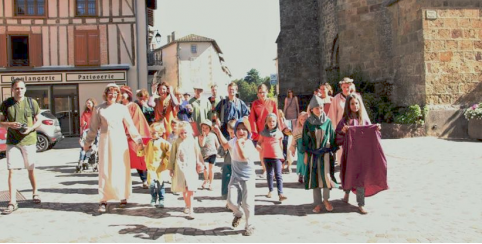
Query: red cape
(143,127)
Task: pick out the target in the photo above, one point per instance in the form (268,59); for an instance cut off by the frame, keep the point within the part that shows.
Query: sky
(245,30)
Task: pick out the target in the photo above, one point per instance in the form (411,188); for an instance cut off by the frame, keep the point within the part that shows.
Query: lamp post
(158,37)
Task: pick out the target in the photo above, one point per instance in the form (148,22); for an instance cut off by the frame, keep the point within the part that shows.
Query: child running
(156,154)
(184,157)
(270,145)
(243,153)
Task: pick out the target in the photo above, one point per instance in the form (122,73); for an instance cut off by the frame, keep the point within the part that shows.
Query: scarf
(315,120)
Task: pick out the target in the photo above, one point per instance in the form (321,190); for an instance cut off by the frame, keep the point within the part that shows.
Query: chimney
(168,39)
(173,36)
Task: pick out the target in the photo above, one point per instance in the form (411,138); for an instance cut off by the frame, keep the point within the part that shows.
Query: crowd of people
(174,138)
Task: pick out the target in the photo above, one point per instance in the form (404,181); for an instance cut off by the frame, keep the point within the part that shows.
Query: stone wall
(453,56)
(329,42)
(407,36)
(298,48)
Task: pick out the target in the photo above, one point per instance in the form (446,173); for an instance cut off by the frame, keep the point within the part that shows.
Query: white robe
(114,164)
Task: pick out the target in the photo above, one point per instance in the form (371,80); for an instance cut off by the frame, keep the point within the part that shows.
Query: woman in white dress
(114,164)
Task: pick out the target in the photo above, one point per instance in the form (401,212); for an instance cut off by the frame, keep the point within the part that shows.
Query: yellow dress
(156,154)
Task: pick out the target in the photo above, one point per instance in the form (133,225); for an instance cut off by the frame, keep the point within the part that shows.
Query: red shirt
(85,121)
(258,114)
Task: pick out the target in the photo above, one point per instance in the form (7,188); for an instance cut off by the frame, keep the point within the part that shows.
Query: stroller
(90,158)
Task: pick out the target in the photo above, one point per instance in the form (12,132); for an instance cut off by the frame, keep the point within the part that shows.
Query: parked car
(48,133)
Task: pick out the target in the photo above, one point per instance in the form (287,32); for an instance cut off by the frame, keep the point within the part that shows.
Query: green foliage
(253,77)
(379,108)
(473,112)
(248,87)
(411,115)
(272,93)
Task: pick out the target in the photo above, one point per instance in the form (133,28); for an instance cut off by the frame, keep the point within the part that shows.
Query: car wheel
(42,143)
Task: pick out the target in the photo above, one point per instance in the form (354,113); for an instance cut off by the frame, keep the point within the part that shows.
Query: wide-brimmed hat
(346,80)
(112,85)
(198,86)
(208,123)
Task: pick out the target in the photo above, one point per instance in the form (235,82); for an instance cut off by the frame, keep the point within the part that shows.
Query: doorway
(65,100)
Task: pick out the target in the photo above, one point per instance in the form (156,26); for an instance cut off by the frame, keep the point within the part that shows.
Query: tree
(253,77)
(248,87)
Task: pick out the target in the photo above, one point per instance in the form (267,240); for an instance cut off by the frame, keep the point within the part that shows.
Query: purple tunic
(363,163)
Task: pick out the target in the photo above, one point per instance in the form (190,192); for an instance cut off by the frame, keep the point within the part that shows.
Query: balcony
(153,59)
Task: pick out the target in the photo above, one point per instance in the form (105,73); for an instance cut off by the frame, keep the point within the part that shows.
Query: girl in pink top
(270,145)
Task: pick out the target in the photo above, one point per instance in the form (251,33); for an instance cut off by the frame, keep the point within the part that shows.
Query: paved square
(434,196)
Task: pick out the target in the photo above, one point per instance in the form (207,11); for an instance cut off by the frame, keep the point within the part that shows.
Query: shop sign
(97,76)
(32,78)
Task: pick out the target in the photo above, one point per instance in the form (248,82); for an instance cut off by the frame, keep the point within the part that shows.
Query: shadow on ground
(146,233)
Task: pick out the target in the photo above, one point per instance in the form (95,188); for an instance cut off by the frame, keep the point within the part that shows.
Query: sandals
(36,199)
(12,207)
(328,206)
(144,185)
(123,203)
(362,210)
(236,221)
(317,209)
(102,207)
(210,187)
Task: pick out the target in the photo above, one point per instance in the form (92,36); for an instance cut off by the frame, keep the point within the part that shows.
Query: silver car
(49,132)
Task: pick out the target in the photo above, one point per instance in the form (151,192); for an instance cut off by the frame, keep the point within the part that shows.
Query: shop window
(193,48)
(29,7)
(87,48)
(86,7)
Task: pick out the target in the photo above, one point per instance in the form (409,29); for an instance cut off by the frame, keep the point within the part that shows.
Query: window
(29,7)
(193,48)
(19,51)
(86,8)
(87,48)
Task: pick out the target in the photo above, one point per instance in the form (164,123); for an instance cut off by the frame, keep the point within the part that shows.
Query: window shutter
(94,47)
(35,55)
(150,17)
(80,52)
(3,50)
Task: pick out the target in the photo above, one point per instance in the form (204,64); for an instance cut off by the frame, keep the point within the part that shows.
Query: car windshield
(48,115)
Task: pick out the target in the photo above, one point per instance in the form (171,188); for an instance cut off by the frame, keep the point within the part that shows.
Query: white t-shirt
(242,168)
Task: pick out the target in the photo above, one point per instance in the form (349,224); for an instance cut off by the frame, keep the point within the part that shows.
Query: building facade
(428,51)
(68,50)
(193,61)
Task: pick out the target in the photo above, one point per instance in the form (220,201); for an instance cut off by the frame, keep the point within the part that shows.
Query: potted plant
(474,115)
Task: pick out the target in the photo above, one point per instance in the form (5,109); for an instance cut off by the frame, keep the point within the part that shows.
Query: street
(434,196)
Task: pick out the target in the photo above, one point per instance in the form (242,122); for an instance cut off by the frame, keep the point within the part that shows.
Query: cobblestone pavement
(434,196)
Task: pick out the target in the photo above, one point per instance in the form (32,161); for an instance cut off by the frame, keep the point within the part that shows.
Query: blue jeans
(142,175)
(157,190)
(276,165)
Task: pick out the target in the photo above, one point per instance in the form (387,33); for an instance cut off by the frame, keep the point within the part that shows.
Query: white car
(48,133)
